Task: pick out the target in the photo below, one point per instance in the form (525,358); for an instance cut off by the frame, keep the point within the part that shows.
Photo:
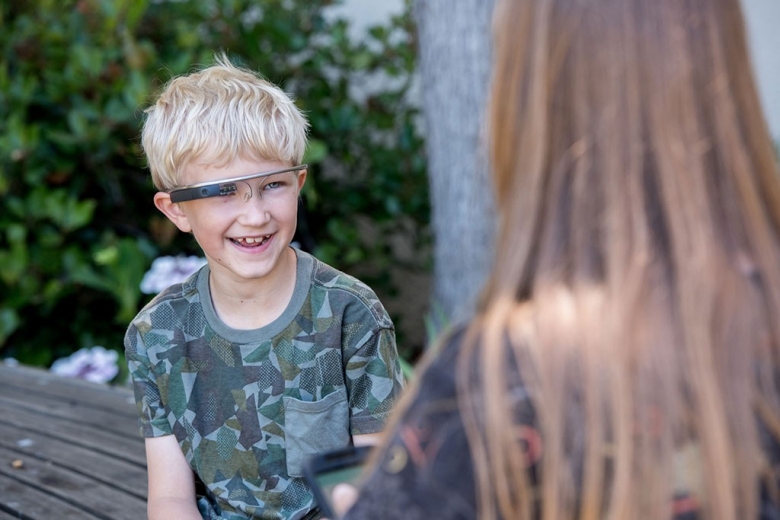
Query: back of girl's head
(218,114)
(636,269)
(626,126)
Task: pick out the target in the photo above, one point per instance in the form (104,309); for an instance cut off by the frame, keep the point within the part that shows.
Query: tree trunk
(455,63)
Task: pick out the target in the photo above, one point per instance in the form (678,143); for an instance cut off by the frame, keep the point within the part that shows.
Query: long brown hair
(636,283)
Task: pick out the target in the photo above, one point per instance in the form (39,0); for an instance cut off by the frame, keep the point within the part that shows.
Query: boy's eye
(273,185)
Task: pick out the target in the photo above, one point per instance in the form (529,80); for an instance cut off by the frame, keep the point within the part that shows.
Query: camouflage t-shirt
(249,406)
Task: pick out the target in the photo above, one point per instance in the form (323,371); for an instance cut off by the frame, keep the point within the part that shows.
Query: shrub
(77,226)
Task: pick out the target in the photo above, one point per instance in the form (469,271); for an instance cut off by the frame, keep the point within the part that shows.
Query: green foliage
(77,225)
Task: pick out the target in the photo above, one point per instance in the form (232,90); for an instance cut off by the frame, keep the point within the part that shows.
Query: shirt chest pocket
(312,427)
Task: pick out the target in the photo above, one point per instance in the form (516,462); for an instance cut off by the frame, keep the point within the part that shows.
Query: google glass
(204,190)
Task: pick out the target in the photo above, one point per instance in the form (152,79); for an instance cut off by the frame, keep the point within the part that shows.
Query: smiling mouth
(251,241)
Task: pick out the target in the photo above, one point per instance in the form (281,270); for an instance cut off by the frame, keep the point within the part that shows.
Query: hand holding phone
(324,472)
(342,497)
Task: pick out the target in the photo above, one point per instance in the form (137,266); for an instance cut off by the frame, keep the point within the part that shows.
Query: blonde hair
(636,284)
(219,114)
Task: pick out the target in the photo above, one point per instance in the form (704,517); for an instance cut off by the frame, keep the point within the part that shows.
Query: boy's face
(244,235)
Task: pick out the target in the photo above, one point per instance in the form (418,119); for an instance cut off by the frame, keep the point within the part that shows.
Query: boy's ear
(172,210)
(301,179)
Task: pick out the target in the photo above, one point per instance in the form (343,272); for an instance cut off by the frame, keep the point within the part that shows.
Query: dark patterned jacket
(426,470)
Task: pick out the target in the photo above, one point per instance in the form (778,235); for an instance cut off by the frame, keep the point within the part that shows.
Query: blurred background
(79,232)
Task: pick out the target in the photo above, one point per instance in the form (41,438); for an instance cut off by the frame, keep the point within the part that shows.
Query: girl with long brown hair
(625,359)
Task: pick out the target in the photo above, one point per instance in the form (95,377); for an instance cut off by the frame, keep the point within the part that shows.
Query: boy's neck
(251,305)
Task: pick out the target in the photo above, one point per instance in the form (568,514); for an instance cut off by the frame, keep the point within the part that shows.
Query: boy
(266,355)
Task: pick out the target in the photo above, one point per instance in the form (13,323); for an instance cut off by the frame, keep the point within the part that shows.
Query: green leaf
(106,255)
(9,322)
(316,151)
(78,124)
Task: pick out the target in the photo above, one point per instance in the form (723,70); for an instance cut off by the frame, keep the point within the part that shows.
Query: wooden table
(69,449)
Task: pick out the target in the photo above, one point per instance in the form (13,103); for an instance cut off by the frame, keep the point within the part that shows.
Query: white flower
(95,364)
(168,270)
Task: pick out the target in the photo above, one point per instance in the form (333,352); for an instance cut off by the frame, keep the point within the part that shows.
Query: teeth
(258,240)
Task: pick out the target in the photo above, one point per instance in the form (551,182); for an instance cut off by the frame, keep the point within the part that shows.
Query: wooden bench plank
(80,451)
(120,418)
(22,501)
(126,428)
(111,471)
(64,388)
(94,437)
(81,492)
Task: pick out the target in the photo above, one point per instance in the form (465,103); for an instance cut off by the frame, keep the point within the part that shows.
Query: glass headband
(205,190)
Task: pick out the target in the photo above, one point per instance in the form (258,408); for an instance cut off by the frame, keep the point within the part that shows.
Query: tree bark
(455,41)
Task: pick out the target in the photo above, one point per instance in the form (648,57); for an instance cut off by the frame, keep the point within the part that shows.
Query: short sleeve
(152,415)
(374,381)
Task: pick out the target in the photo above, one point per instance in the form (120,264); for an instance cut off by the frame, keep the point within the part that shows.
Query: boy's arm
(367,439)
(171,481)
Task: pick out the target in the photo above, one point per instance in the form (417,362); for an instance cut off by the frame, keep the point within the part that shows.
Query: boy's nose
(253,211)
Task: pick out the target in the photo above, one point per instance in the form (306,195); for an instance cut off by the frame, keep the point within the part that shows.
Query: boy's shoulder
(174,311)
(172,300)
(344,291)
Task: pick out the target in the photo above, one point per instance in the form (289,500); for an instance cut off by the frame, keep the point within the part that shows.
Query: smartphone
(325,470)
